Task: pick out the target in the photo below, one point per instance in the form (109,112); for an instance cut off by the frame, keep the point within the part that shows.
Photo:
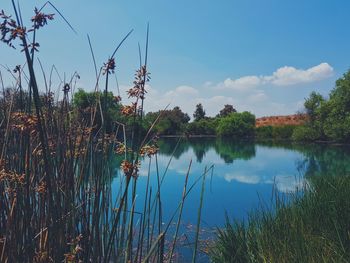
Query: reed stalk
(56,166)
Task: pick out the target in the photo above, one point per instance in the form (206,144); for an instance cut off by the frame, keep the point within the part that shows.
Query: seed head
(109,67)
(40,19)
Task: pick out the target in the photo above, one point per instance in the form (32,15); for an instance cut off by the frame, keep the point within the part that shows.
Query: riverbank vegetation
(324,119)
(282,132)
(329,119)
(306,227)
(174,122)
(57,165)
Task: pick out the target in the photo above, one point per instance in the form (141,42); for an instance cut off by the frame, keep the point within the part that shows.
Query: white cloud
(284,76)
(291,76)
(186,90)
(208,84)
(258,96)
(243,83)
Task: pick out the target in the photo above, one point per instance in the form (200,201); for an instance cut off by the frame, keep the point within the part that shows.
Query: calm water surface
(243,175)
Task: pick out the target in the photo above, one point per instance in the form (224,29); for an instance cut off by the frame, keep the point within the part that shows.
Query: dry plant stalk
(56,167)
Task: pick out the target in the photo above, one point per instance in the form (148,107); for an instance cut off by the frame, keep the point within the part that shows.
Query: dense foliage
(170,122)
(199,113)
(206,126)
(227,110)
(238,125)
(175,122)
(284,132)
(329,119)
(85,103)
(228,123)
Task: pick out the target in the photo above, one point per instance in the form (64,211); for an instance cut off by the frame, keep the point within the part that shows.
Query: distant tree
(170,122)
(313,104)
(227,110)
(305,133)
(183,117)
(328,119)
(84,102)
(199,113)
(206,126)
(237,125)
(336,111)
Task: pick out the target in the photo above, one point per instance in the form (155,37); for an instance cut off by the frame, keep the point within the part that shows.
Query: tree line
(328,118)
(228,122)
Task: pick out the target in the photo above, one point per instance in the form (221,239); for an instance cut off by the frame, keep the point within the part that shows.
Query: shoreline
(188,136)
(257,139)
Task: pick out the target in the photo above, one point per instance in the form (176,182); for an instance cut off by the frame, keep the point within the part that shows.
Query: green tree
(199,113)
(205,126)
(305,133)
(84,103)
(238,125)
(227,110)
(337,121)
(313,105)
(341,92)
(171,122)
(329,119)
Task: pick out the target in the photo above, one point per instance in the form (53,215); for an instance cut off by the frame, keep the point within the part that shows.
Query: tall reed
(57,202)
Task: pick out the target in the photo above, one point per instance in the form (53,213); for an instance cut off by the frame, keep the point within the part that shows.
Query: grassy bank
(313,227)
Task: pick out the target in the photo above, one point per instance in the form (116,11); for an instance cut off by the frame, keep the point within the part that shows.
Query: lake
(242,177)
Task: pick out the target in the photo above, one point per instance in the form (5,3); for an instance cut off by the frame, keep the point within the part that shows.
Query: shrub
(305,133)
(83,103)
(205,126)
(238,125)
(171,122)
(263,132)
(283,132)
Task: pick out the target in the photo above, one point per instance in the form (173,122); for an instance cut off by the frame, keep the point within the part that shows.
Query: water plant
(56,166)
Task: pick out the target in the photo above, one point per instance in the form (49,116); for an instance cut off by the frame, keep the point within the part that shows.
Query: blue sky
(261,56)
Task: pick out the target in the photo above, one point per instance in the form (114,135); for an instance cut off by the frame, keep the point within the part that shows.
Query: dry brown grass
(295,119)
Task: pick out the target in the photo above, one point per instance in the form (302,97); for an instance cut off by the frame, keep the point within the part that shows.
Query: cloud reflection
(283,183)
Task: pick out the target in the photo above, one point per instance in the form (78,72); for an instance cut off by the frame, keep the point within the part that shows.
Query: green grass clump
(313,227)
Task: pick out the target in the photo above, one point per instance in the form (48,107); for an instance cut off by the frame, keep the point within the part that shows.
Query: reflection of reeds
(180,213)
(56,170)
(199,219)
